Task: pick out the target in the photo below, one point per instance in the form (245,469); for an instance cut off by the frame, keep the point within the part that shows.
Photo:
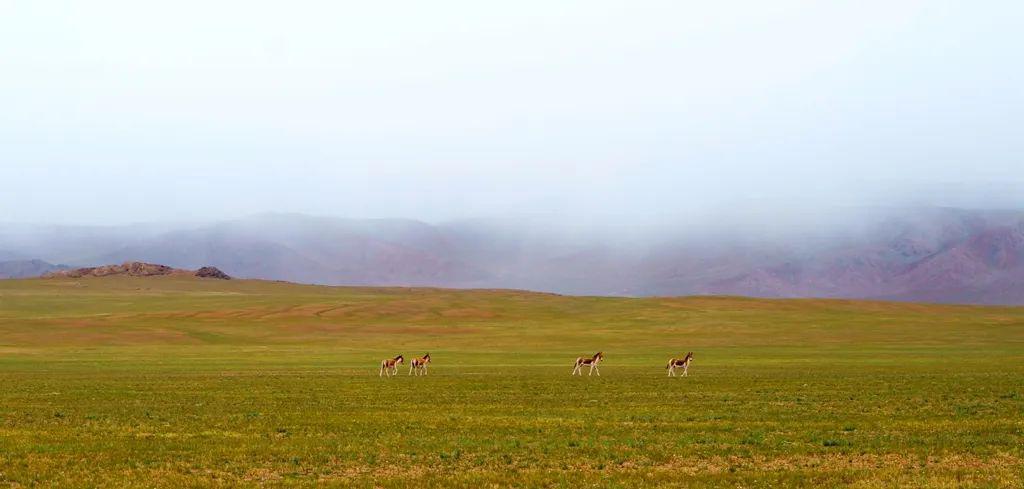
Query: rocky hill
(136,269)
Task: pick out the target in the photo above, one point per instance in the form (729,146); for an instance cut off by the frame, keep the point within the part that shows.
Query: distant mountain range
(27,268)
(935,255)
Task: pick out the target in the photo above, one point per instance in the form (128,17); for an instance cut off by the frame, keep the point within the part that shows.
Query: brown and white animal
(389,366)
(683,363)
(592,362)
(419,365)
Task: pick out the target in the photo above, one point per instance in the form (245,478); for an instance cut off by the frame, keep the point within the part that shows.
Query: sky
(116,112)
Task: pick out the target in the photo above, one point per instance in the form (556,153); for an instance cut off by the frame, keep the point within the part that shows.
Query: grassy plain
(174,381)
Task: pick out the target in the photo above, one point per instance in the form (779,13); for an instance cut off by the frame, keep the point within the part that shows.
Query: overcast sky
(114,112)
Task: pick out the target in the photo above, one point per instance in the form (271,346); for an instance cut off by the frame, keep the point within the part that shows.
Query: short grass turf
(174,381)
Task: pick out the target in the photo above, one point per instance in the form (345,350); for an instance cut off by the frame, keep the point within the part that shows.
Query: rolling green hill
(169,381)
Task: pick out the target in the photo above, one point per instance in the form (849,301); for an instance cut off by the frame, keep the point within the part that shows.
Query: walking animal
(419,365)
(592,361)
(683,363)
(389,366)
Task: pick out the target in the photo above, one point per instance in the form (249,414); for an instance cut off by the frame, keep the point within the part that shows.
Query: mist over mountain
(918,254)
(27,268)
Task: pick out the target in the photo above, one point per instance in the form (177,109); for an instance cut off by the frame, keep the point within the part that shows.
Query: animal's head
(599,355)
(427,356)
(689,356)
(399,359)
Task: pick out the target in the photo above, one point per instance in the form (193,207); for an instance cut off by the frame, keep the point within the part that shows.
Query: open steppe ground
(176,381)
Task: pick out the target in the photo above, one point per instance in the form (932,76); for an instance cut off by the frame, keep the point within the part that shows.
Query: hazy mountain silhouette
(943,255)
(27,268)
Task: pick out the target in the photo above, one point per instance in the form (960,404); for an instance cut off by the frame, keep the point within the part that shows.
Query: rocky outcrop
(136,269)
(132,269)
(212,272)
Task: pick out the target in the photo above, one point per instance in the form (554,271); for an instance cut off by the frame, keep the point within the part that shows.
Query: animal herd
(418,366)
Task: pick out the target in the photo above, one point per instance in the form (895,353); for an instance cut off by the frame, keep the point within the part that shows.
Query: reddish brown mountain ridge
(930,255)
(137,269)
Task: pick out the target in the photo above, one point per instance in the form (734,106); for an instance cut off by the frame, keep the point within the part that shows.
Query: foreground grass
(180,382)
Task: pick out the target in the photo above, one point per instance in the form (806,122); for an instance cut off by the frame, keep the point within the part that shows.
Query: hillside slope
(935,255)
(185,310)
(176,381)
(27,268)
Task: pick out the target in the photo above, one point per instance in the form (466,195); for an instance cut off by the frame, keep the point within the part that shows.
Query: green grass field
(172,381)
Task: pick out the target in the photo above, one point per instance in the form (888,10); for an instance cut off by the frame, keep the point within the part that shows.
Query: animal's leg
(598,370)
